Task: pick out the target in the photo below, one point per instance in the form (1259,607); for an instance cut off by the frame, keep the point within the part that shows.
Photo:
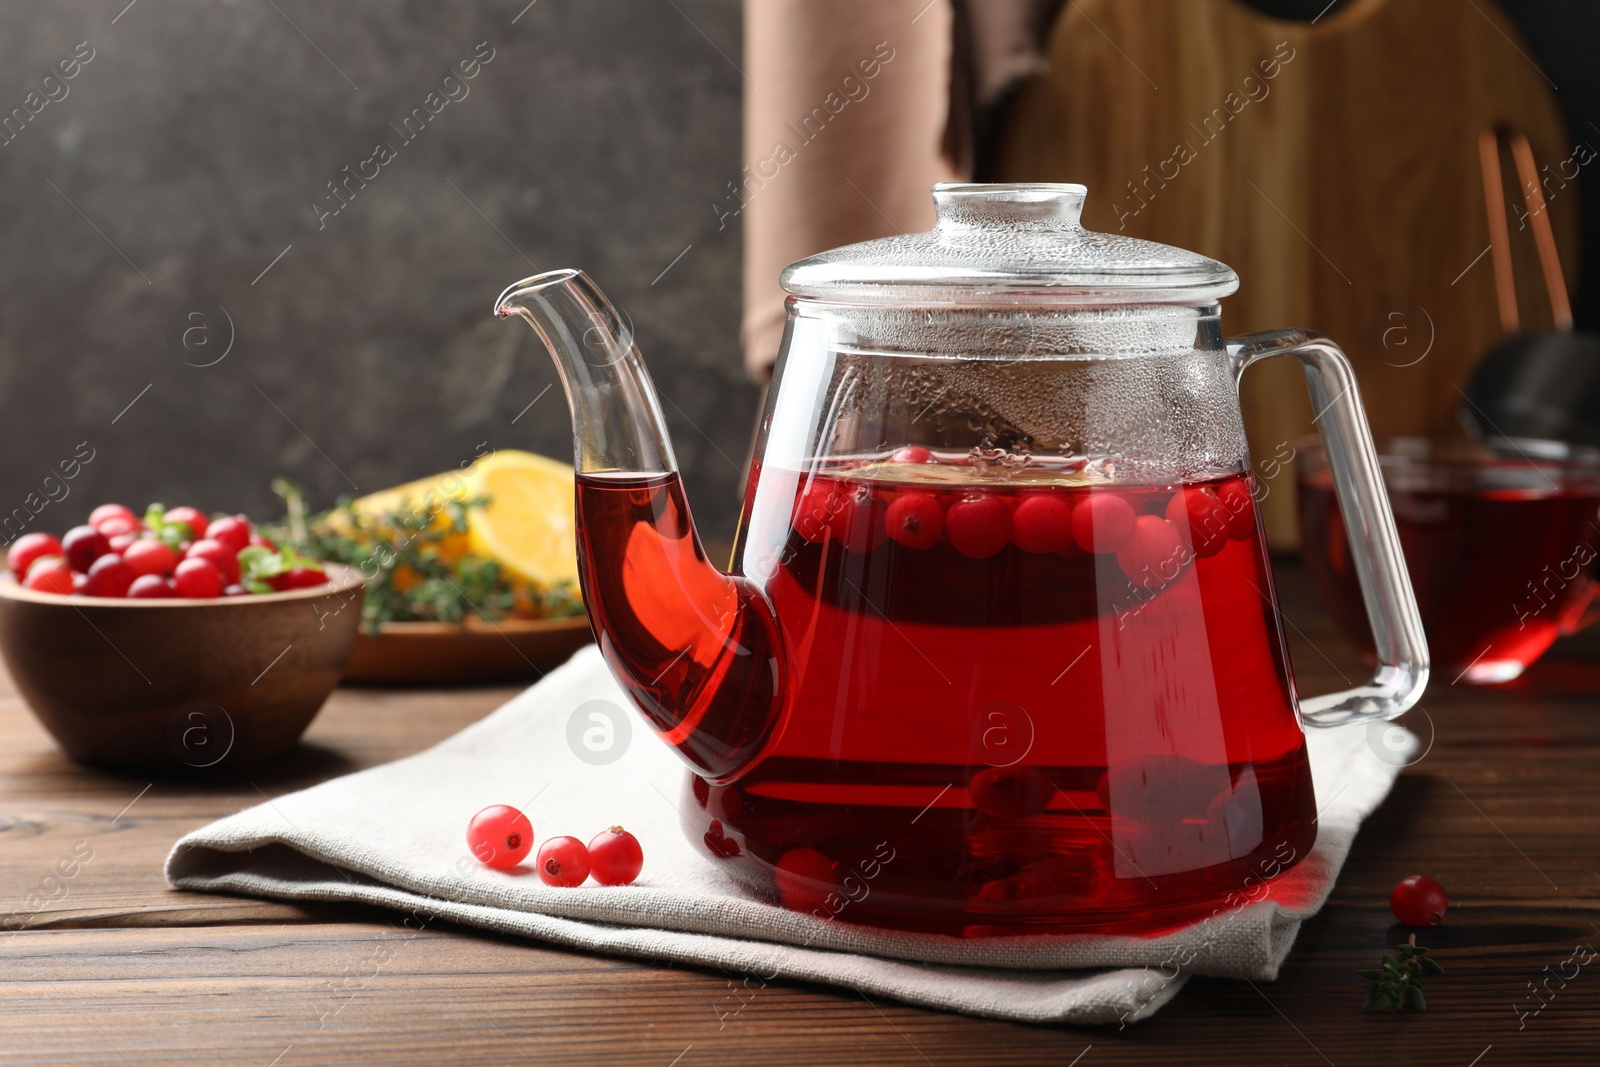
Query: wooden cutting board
(1344,189)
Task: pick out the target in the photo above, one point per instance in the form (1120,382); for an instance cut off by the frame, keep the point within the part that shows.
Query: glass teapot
(999,652)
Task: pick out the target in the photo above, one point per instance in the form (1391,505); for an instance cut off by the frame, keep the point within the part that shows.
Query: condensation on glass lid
(1015,333)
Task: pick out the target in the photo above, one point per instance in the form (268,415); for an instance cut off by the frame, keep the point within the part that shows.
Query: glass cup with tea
(1500,535)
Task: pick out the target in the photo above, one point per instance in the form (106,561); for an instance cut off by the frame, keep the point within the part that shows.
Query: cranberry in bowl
(173,642)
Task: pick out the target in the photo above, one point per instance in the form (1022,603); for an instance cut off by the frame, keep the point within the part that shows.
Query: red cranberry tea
(1045,699)
(1499,573)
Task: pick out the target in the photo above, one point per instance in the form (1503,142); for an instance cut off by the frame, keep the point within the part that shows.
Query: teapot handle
(1385,585)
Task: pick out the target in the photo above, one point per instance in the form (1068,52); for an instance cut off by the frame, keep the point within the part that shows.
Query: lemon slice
(528,524)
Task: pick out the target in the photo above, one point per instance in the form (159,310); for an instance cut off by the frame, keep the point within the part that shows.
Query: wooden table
(110,966)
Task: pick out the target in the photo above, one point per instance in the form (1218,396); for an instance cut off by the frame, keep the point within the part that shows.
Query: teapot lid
(1010,243)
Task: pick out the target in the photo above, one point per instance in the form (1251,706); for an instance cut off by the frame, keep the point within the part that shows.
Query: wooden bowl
(165,685)
(474,652)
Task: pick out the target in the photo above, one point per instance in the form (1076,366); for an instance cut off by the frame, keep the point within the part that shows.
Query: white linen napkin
(395,836)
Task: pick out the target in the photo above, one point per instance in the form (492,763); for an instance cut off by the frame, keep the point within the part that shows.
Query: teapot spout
(697,650)
(616,419)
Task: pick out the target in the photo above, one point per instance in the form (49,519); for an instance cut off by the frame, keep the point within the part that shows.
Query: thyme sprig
(1397,983)
(413,565)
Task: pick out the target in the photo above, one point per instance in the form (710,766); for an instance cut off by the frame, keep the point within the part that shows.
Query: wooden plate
(471,653)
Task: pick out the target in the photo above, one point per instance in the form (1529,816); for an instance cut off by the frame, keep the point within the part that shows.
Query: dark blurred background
(187,155)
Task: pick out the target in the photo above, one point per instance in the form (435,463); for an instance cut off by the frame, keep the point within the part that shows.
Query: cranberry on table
(915,519)
(219,555)
(1042,523)
(109,576)
(29,547)
(912,454)
(82,545)
(150,557)
(107,511)
(197,579)
(978,526)
(194,518)
(151,587)
(232,530)
(563,861)
(120,543)
(499,836)
(615,857)
(49,574)
(1418,901)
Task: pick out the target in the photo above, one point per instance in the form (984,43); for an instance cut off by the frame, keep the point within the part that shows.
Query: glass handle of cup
(1375,546)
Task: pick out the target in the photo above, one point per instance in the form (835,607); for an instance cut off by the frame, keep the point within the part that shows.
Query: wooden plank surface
(117,968)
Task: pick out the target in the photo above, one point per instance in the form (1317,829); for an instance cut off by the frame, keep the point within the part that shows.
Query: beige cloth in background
(864,172)
(852,111)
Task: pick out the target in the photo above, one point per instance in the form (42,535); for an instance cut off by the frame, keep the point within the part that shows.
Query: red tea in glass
(1098,630)
(1500,540)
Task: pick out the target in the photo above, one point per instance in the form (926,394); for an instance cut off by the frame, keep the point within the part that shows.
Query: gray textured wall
(187,154)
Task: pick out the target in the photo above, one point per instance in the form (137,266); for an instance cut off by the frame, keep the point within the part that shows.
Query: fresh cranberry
(500,836)
(194,518)
(120,543)
(1418,901)
(813,516)
(915,519)
(231,530)
(109,576)
(106,511)
(217,554)
(718,843)
(805,879)
(1198,510)
(49,574)
(615,857)
(117,525)
(1042,523)
(151,587)
(1053,876)
(563,861)
(197,579)
(80,582)
(859,524)
(83,545)
(1155,553)
(150,557)
(30,547)
(978,525)
(1010,792)
(303,577)
(1240,505)
(261,542)
(235,590)
(1102,522)
(912,454)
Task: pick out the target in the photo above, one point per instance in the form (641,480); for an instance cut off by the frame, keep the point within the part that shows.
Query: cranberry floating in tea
(999,653)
